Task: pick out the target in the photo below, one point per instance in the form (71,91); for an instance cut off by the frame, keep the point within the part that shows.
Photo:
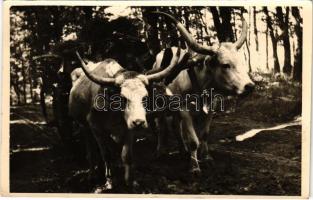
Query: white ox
(221,68)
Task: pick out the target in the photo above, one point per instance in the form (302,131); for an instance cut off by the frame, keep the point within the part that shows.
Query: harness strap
(195,87)
(180,66)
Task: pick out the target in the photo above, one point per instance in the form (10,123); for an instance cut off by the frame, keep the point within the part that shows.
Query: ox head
(133,88)
(224,63)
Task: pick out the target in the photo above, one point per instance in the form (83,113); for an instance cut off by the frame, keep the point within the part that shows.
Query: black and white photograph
(162,99)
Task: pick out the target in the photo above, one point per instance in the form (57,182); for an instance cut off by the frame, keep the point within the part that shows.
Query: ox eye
(225,66)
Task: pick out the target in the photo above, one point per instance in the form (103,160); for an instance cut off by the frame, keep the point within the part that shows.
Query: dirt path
(268,163)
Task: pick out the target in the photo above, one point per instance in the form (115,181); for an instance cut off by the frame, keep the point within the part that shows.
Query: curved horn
(165,72)
(187,36)
(93,77)
(243,36)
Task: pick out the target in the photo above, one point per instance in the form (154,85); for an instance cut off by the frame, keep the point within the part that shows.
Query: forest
(273,47)
(43,42)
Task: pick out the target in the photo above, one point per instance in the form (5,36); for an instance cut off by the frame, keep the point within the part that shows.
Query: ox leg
(93,156)
(177,130)
(162,136)
(104,144)
(107,158)
(127,158)
(203,136)
(192,141)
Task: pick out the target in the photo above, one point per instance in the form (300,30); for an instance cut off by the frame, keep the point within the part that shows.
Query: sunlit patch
(253,132)
(140,139)
(173,153)
(22,121)
(30,149)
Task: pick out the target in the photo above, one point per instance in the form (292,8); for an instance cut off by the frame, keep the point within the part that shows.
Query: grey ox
(221,68)
(113,130)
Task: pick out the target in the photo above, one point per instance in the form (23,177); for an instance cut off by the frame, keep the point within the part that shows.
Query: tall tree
(297,72)
(283,22)
(170,29)
(223,27)
(266,48)
(255,30)
(247,42)
(270,25)
(151,23)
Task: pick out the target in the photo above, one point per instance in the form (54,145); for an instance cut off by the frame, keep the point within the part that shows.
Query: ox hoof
(106,187)
(98,190)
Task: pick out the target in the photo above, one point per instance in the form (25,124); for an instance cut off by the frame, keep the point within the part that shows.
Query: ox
(112,130)
(215,67)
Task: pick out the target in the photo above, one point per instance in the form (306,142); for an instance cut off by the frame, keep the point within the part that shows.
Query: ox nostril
(138,123)
(249,87)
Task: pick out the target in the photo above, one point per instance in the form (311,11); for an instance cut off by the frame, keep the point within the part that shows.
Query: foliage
(105,32)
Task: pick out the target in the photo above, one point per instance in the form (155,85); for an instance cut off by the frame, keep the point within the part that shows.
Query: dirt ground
(266,164)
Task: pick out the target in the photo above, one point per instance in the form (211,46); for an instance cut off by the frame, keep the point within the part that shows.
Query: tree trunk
(205,26)
(283,22)
(255,29)
(30,86)
(249,57)
(297,72)
(225,14)
(223,28)
(234,19)
(173,39)
(151,30)
(273,39)
(248,41)
(17,91)
(266,48)
(186,17)
(24,83)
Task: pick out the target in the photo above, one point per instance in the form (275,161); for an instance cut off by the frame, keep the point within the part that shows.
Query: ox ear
(143,78)
(196,60)
(208,60)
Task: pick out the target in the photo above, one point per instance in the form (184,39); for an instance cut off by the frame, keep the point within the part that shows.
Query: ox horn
(243,35)
(97,79)
(165,72)
(187,36)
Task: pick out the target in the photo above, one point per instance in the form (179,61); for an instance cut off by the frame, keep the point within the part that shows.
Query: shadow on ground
(266,164)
